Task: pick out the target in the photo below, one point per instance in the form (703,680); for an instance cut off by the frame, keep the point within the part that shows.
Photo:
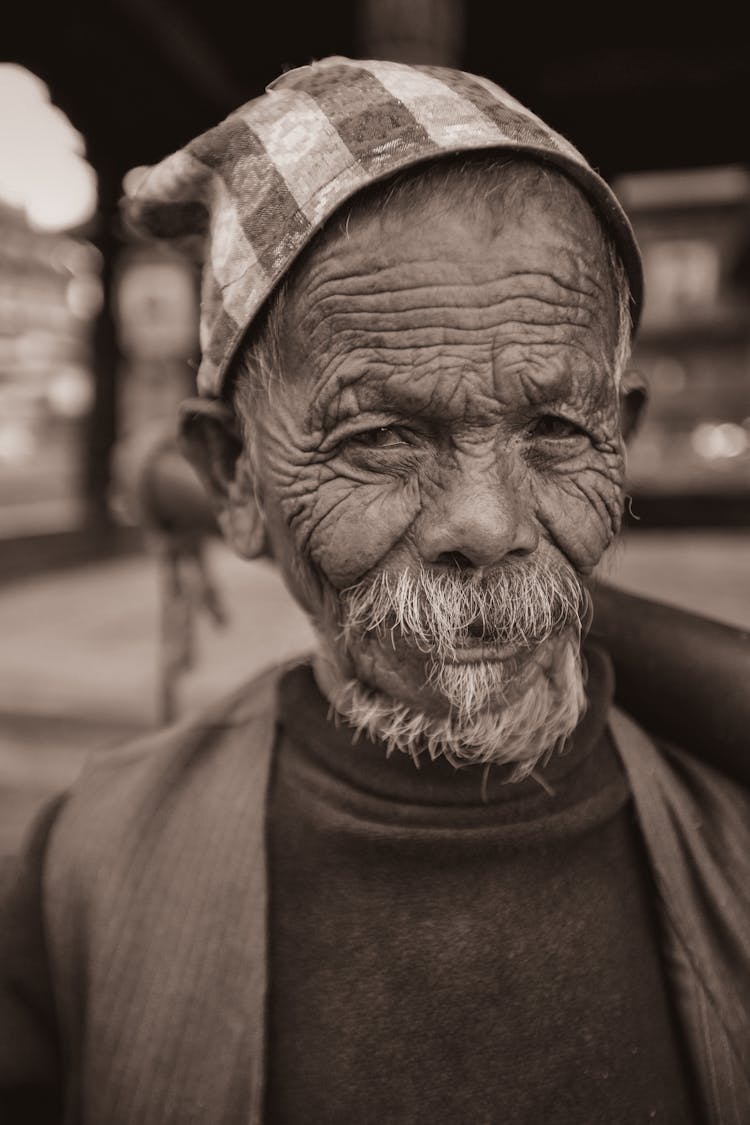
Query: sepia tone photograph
(374,570)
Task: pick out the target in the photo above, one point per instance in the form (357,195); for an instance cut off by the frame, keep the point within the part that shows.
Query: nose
(477,521)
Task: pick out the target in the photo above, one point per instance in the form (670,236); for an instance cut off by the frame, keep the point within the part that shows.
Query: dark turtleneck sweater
(448,951)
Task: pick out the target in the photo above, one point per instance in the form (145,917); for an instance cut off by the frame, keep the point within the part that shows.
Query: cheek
(365,522)
(581,511)
(344,527)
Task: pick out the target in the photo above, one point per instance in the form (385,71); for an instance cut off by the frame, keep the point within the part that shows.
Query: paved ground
(78,664)
(79,655)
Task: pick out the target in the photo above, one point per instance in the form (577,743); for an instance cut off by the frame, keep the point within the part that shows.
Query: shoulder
(647,751)
(695,822)
(665,778)
(155,862)
(199,772)
(210,734)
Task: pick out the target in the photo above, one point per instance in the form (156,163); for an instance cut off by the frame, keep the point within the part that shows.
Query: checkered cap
(256,188)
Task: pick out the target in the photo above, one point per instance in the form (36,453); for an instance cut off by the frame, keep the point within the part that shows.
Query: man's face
(446,405)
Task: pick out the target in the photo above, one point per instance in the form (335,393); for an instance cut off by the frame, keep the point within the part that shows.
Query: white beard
(507,712)
(475,731)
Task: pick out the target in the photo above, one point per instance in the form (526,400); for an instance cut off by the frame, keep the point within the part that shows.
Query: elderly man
(431,875)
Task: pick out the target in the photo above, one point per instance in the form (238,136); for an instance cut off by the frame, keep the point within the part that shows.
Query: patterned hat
(256,188)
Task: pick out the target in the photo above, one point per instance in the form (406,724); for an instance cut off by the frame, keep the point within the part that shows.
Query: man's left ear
(633,398)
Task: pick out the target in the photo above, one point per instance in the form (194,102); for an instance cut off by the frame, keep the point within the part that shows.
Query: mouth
(483,652)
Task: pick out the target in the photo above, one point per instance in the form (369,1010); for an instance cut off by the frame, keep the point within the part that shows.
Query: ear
(633,398)
(211,439)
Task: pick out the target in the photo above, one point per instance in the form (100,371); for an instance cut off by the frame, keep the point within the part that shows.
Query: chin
(475,712)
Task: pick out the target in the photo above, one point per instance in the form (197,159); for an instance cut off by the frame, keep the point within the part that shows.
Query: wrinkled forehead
(494,237)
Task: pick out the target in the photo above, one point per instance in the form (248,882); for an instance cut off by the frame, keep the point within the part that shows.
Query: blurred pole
(414,31)
(187,589)
(102,422)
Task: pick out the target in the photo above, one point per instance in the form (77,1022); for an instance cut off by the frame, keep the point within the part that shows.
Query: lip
(485,654)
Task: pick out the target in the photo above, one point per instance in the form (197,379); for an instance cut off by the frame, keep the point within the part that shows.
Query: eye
(555,428)
(380,437)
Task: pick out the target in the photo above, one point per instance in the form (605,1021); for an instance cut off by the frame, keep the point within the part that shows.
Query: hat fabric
(256,188)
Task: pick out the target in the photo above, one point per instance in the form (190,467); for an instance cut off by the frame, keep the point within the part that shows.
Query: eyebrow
(360,388)
(344,401)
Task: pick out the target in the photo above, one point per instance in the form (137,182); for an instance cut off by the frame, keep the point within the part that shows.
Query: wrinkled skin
(447,399)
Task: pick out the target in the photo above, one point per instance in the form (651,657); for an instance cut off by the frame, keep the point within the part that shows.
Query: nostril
(523,551)
(455,560)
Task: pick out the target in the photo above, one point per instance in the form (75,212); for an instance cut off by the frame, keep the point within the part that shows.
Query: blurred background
(116,610)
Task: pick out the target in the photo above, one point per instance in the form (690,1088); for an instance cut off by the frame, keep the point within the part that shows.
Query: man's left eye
(381,437)
(554,427)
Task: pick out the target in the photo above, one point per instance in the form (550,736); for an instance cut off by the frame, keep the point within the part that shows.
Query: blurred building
(50,293)
(694,345)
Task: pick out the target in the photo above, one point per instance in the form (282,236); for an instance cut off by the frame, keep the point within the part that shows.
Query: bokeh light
(716,441)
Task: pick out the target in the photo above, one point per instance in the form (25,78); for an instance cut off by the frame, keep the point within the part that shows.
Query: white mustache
(518,604)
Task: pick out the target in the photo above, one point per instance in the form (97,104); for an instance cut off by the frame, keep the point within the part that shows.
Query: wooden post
(101,430)
(420,31)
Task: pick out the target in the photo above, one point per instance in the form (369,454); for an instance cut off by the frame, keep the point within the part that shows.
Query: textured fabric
(30,1065)
(154,895)
(251,192)
(697,829)
(437,958)
(155,892)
